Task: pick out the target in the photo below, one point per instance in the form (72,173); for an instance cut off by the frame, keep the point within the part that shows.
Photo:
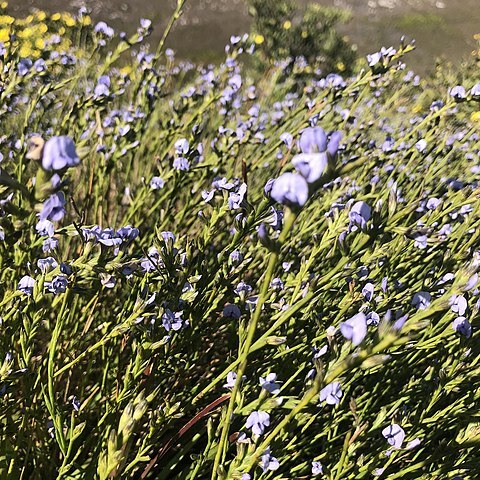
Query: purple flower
(367,291)
(182,146)
(156,183)
(433,203)
(355,329)
(458,93)
(24,66)
(26,284)
(145,23)
(290,189)
(462,325)
(53,208)
(231,379)
(103,28)
(313,140)
(236,257)
(287,139)
(57,285)
(420,241)
(107,237)
(45,228)
(258,421)
(458,304)
(269,383)
(421,300)
(47,264)
(49,244)
(372,318)
(128,233)
(231,311)
(168,237)
(173,320)
(317,468)
(268,462)
(267,190)
(235,199)
(360,214)
(59,153)
(394,434)
(311,165)
(181,163)
(475,91)
(103,86)
(331,394)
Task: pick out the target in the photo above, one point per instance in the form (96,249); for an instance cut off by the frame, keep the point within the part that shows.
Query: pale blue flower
(331,394)
(355,329)
(317,468)
(268,462)
(394,434)
(311,165)
(421,300)
(26,285)
(258,421)
(269,383)
(458,304)
(360,214)
(156,183)
(290,189)
(57,285)
(59,153)
(462,325)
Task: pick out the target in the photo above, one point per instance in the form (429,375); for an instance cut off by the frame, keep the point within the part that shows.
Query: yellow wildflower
(40,15)
(258,39)
(475,116)
(4,35)
(87,20)
(287,24)
(341,66)
(6,20)
(39,43)
(56,16)
(25,50)
(68,19)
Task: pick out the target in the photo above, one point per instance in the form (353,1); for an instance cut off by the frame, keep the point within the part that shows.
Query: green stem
(245,349)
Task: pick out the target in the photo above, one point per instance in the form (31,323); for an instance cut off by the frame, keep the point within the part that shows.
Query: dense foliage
(283,30)
(170,311)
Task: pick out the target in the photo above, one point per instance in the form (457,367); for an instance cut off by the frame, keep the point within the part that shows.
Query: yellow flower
(304,34)
(4,35)
(25,50)
(287,24)
(56,16)
(68,19)
(3,5)
(41,28)
(126,70)
(477,36)
(475,116)
(6,20)
(341,66)
(41,15)
(87,20)
(258,39)
(39,43)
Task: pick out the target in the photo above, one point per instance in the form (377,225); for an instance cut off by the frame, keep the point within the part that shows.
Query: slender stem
(245,349)
(176,15)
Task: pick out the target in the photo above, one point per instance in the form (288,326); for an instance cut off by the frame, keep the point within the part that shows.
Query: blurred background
(441,27)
